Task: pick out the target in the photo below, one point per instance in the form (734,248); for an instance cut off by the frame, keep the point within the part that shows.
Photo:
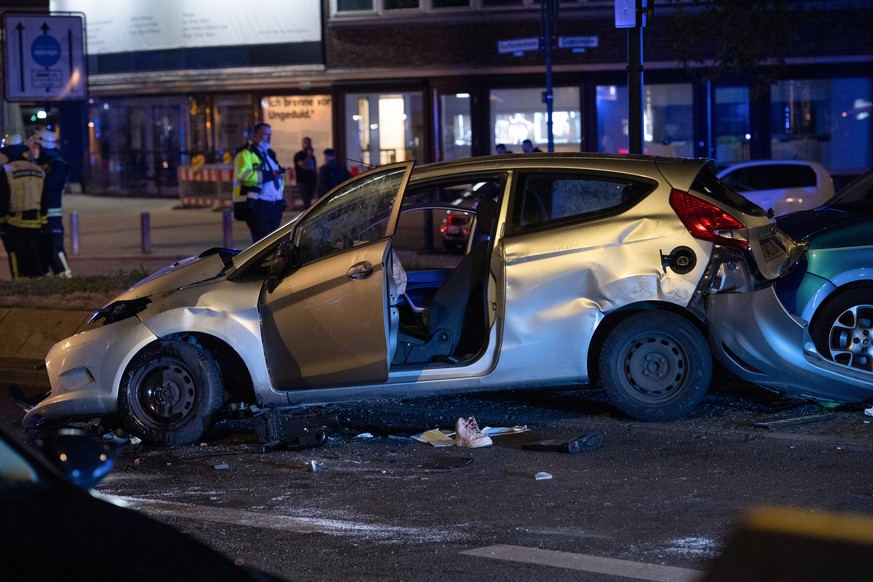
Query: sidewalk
(110,239)
(110,233)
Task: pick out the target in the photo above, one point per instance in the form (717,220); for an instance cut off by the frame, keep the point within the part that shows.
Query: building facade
(390,80)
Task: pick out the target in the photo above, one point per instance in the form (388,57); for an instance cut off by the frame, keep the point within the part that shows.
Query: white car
(580,269)
(782,186)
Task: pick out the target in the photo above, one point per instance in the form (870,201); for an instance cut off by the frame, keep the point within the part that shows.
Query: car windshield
(856,197)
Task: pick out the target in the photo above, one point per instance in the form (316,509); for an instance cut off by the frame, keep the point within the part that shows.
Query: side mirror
(80,457)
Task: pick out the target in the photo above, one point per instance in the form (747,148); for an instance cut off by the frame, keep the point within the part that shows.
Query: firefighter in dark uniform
(46,155)
(21,219)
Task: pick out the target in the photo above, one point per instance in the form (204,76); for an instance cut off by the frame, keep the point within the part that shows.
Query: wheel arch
(613,318)
(235,375)
(834,295)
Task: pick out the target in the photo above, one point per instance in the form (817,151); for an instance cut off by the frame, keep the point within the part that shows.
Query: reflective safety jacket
(21,194)
(252,171)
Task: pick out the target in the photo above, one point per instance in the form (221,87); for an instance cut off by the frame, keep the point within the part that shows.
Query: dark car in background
(810,335)
(54,527)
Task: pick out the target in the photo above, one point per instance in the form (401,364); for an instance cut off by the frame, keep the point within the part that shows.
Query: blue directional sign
(45,57)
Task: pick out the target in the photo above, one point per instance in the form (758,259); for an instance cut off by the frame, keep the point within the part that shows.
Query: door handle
(360,270)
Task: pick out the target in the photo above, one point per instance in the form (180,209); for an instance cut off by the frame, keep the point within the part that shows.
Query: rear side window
(707,183)
(771,177)
(549,199)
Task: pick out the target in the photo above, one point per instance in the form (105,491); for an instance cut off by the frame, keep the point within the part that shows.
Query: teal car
(833,287)
(810,334)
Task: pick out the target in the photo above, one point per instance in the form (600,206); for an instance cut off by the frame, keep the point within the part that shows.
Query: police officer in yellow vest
(258,185)
(21,183)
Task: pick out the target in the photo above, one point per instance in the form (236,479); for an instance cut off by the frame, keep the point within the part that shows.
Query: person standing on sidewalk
(306,170)
(45,153)
(21,219)
(258,185)
(332,173)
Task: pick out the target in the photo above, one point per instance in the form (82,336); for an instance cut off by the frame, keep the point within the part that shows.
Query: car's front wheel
(842,330)
(655,366)
(171,393)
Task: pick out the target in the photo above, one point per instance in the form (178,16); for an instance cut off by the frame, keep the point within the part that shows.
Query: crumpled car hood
(181,274)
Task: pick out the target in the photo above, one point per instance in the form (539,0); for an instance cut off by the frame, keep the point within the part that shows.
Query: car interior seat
(443,320)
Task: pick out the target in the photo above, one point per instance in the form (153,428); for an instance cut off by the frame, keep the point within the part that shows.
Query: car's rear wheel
(655,366)
(842,330)
(171,393)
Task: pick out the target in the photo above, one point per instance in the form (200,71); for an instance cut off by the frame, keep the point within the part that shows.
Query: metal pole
(74,231)
(145,233)
(635,90)
(549,14)
(227,227)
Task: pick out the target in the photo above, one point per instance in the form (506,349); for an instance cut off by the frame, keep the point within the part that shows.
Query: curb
(28,334)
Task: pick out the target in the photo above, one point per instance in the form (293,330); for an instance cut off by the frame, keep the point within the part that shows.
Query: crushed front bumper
(85,370)
(758,340)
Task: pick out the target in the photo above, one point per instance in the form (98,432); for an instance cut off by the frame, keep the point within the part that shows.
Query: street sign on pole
(518,45)
(45,57)
(577,42)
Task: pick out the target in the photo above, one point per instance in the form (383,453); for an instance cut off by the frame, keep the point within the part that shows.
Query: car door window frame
(338,224)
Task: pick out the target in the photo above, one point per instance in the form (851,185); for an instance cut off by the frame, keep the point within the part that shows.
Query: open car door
(327,322)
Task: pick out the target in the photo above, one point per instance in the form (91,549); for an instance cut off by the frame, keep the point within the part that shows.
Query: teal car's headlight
(119,311)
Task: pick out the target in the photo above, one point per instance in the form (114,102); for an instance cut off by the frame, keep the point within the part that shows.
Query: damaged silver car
(579,269)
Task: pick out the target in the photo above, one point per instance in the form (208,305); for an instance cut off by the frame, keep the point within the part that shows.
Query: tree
(739,37)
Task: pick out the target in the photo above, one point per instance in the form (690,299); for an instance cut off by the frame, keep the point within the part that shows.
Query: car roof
(682,170)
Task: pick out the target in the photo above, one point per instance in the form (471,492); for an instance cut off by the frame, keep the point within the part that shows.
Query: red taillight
(707,221)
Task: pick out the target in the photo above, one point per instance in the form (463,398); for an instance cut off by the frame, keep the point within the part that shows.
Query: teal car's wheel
(655,366)
(170,393)
(842,330)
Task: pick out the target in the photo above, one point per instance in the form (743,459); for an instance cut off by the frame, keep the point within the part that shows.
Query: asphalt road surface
(656,501)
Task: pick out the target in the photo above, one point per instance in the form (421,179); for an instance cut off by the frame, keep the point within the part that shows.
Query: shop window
(823,120)
(520,114)
(668,113)
(457,132)
(731,125)
(354,5)
(382,128)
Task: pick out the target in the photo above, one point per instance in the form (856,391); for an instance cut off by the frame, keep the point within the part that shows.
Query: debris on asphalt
(498,431)
(221,466)
(542,476)
(587,442)
(868,411)
(435,437)
(315,466)
(364,435)
(116,438)
(292,429)
(449,463)
(794,421)
(440,438)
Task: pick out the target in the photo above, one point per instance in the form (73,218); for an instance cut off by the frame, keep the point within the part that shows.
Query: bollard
(227,224)
(145,233)
(74,231)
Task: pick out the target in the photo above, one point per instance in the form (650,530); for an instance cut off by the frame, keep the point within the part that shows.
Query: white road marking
(586,563)
(395,534)
(311,523)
